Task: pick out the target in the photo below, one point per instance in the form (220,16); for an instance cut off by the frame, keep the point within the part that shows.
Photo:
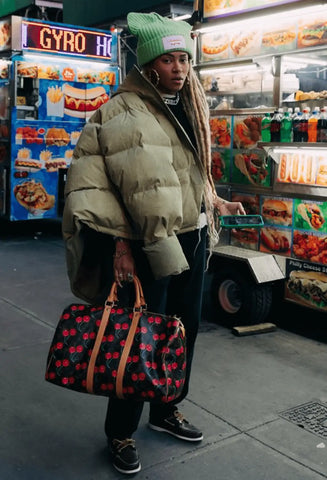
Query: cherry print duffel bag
(120,352)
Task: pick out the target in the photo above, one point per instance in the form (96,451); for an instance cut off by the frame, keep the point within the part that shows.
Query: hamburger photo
(312,33)
(308,287)
(80,102)
(277,212)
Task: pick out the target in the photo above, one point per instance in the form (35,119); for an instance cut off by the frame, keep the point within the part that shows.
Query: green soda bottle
(286,128)
(265,128)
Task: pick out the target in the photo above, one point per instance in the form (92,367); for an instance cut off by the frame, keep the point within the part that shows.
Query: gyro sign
(67,40)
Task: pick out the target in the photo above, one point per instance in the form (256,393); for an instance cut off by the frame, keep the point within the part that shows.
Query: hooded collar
(136,82)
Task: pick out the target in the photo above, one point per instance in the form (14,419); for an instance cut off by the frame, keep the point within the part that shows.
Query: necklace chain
(172,101)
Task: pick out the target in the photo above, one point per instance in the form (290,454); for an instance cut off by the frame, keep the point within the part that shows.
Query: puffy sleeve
(140,164)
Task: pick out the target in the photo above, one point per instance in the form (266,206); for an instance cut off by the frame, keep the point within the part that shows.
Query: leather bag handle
(112,298)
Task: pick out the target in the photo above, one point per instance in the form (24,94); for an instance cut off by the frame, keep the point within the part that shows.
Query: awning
(100,12)
(7,7)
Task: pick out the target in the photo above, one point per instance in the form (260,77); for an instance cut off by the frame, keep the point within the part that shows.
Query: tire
(237,299)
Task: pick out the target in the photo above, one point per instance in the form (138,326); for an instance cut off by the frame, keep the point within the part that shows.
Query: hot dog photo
(71,101)
(321,178)
(245,237)
(81,102)
(214,46)
(275,240)
(297,168)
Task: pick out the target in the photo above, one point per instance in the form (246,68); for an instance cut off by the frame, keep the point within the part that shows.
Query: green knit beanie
(157,35)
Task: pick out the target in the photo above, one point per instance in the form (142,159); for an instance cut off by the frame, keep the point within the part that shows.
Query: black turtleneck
(180,114)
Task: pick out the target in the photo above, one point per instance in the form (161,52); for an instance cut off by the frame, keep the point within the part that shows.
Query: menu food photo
(285,35)
(66,96)
(213,8)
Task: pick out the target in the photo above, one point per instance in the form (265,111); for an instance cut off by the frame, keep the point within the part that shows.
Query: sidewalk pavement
(240,390)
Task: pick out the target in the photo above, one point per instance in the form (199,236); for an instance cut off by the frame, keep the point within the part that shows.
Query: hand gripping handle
(112,298)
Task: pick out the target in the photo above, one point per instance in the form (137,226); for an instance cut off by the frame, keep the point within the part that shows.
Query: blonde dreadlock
(197,110)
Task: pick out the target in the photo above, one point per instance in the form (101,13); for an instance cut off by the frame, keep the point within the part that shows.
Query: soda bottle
(322,126)
(265,128)
(275,127)
(304,125)
(313,125)
(296,111)
(286,128)
(296,127)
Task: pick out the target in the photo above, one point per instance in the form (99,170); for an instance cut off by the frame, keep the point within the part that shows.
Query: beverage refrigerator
(53,77)
(255,58)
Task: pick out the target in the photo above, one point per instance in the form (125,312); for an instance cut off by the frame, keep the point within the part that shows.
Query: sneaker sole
(128,472)
(188,439)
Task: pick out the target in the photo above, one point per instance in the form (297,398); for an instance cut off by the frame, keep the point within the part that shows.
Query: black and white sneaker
(177,426)
(125,457)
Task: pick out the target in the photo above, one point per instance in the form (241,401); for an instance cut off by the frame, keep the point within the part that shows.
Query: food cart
(254,57)
(52,79)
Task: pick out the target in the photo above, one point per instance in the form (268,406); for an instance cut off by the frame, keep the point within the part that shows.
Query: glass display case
(310,71)
(238,86)
(265,61)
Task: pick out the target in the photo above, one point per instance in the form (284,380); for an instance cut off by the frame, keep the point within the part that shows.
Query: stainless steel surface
(263,266)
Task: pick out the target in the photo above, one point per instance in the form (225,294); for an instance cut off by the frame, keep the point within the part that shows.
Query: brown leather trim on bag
(125,353)
(139,302)
(103,325)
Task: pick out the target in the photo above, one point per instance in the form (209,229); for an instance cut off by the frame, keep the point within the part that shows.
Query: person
(139,189)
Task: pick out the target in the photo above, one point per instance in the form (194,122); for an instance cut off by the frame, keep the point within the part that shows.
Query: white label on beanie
(174,42)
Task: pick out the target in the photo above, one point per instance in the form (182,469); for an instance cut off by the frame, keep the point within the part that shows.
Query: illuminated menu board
(215,8)
(66,40)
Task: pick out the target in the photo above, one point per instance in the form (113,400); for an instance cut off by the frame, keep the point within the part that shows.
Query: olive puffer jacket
(134,174)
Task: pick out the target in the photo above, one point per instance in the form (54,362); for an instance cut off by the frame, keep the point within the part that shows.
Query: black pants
(179,295)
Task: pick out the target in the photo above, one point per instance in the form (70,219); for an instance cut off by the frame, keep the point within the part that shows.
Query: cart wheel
(237,299)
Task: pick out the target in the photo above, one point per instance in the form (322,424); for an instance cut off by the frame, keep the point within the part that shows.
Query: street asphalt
(261,399)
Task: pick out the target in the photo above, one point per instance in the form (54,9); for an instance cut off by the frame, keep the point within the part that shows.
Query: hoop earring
(154,77)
